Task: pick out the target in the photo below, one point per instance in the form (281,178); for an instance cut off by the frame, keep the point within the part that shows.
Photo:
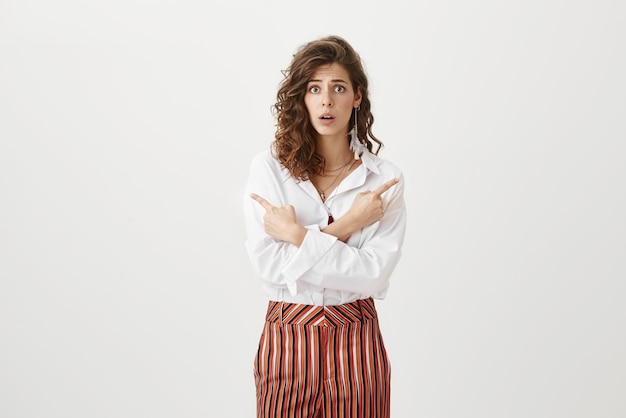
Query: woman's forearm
(342,228)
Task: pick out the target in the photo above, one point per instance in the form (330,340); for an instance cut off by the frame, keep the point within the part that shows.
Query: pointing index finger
(266,205)
(386,186)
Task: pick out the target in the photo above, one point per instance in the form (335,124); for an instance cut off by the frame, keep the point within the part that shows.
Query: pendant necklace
(322,193)
(330,215)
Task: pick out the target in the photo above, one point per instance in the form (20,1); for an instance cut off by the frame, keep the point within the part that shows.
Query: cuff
(313,248)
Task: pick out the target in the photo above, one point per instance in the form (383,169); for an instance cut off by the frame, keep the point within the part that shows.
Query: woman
(325,221)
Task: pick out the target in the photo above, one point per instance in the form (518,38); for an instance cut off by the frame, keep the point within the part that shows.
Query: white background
(126,129)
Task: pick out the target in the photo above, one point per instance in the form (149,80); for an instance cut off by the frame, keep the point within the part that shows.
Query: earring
(355,145)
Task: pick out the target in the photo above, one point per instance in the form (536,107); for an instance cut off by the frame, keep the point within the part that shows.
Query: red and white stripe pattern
(322,361)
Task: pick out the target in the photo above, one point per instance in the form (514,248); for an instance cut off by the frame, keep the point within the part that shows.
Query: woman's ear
(358,96)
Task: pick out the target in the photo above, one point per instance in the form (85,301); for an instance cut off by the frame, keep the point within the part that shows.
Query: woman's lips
(326,119)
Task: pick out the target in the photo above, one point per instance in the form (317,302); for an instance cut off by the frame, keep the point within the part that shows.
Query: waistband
(327,316)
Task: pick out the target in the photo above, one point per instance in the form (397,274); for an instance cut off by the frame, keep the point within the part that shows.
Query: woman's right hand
(367,207)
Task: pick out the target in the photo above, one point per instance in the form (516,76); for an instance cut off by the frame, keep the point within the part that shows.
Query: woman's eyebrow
(335,80)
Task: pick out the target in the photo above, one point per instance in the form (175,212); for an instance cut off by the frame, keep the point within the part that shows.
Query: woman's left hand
(280,222)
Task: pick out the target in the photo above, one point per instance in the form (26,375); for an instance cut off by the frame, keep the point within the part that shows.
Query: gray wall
(126,128)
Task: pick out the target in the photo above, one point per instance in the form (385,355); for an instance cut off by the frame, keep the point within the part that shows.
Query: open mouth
(327,116)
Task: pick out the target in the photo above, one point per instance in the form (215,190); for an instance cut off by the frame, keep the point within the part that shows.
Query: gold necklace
(322,193)
(337,169)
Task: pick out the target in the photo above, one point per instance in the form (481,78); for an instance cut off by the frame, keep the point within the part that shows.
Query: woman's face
(330,100)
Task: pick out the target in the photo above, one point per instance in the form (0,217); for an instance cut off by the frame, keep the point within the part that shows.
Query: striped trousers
(322,361)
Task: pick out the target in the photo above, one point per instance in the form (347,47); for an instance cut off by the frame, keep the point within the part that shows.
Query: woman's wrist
(297,234)
(342,228)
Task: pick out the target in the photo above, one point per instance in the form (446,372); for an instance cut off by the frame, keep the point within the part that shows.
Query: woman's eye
(314,89)
(340,89)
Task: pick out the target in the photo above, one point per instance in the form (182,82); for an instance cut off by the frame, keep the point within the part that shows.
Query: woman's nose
(326,100)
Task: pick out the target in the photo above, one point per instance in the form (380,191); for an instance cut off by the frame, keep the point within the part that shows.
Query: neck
(335,151)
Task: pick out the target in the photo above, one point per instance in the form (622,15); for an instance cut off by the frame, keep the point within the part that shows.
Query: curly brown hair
(295,136)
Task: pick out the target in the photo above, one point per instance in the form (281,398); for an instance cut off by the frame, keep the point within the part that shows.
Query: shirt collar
(370,161)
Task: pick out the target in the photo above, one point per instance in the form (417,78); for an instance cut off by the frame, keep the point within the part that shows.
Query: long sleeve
(362,266)
(364,269)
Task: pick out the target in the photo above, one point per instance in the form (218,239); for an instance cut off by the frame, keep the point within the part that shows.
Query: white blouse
(324,270)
